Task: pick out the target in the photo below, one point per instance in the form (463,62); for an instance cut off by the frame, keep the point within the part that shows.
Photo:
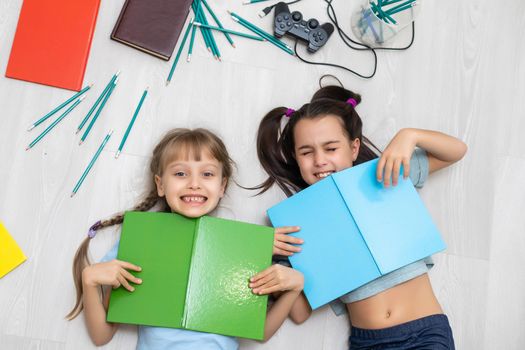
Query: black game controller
(292,23)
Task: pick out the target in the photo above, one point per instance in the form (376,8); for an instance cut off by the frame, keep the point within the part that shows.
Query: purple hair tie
(93,229)
(352,101)
(289,112)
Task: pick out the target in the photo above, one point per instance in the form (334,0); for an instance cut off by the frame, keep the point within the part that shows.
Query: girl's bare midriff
(403,303)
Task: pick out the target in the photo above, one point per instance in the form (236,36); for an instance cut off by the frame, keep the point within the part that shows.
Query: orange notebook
(52,42)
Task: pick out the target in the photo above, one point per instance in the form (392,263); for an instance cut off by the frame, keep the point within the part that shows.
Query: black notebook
(152,26)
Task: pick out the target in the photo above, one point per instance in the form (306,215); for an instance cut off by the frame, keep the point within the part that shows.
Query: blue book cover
(355,230)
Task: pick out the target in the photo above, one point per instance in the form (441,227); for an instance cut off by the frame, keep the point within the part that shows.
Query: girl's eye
(305,153)
(331,149)
(179,173)
(208,173)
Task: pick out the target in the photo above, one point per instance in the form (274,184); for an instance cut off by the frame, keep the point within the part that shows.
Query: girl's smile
(192,187)
(322,147)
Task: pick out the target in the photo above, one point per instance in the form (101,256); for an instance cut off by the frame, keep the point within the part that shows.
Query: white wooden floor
(464,75)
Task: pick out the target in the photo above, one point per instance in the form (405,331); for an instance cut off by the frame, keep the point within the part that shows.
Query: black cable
(267,10)
(347,40)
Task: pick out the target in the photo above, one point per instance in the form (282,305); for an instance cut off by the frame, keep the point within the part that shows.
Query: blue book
(355,230)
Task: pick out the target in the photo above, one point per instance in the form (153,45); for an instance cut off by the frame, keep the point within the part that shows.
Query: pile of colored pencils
(200,21)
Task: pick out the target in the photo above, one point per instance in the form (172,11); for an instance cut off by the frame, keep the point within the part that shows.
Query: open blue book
(355,230)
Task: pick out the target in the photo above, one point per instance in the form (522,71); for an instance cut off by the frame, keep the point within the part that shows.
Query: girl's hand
(277,278)
(397,153)
(282,242)
(112,273)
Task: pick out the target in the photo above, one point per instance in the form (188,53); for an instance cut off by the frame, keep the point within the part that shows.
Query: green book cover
(195,274)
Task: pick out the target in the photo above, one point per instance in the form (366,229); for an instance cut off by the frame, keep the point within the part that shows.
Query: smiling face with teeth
(322,147)
(192,187)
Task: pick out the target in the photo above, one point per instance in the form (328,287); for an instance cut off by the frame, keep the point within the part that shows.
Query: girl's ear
(354,146)
(160,189)
(223,187)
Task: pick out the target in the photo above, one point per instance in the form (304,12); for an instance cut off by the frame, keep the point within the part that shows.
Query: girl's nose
(319,159)
(194,183)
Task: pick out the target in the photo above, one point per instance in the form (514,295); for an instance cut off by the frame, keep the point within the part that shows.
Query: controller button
(313,23)
(286,17)
(279,19)
(288,23)
(296,16)
(321,37)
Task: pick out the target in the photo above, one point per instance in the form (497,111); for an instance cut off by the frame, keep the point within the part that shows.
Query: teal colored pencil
(179,52)
(65,103)
(48,129)
(252,2)
(213,43)
(196,9)
(390,2)
(259,31)
(192,40)
(193,31)
(270,38)
(219,24)
(399,6)
(131,123)
(229,31)
(90,165)
(399,9)
(106,89)
(99,110)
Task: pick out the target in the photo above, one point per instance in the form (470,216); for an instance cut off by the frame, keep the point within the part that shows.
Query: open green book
(195,274)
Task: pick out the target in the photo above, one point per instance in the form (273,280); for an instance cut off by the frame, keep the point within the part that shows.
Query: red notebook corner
(52,42)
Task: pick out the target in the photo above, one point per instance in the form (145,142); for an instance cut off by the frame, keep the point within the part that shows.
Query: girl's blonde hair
(175,144)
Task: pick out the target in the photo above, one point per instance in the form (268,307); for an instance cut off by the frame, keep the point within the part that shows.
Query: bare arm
(301,310)
(112,273)
(100,331)
(442,150)
(278,278)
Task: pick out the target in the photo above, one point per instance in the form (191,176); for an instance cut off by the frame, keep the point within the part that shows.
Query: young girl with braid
(398,310)
(189,173)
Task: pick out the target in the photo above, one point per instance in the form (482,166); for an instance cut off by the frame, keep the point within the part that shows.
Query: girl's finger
(125,283)
(380,168)
(128,276)
(128,266)
(286,229)
(388,172)
(272,284)
(287,247)
(396,171)
(279,251)
(406,168)
(268,290)
(261,281)
(262,274)
(288,239)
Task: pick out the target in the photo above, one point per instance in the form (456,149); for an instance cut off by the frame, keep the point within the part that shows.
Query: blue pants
(431,332)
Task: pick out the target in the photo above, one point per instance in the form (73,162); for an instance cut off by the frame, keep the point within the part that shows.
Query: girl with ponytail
(398,310)
(189,173)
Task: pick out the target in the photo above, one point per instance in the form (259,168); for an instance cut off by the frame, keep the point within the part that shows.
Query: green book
(195,274)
